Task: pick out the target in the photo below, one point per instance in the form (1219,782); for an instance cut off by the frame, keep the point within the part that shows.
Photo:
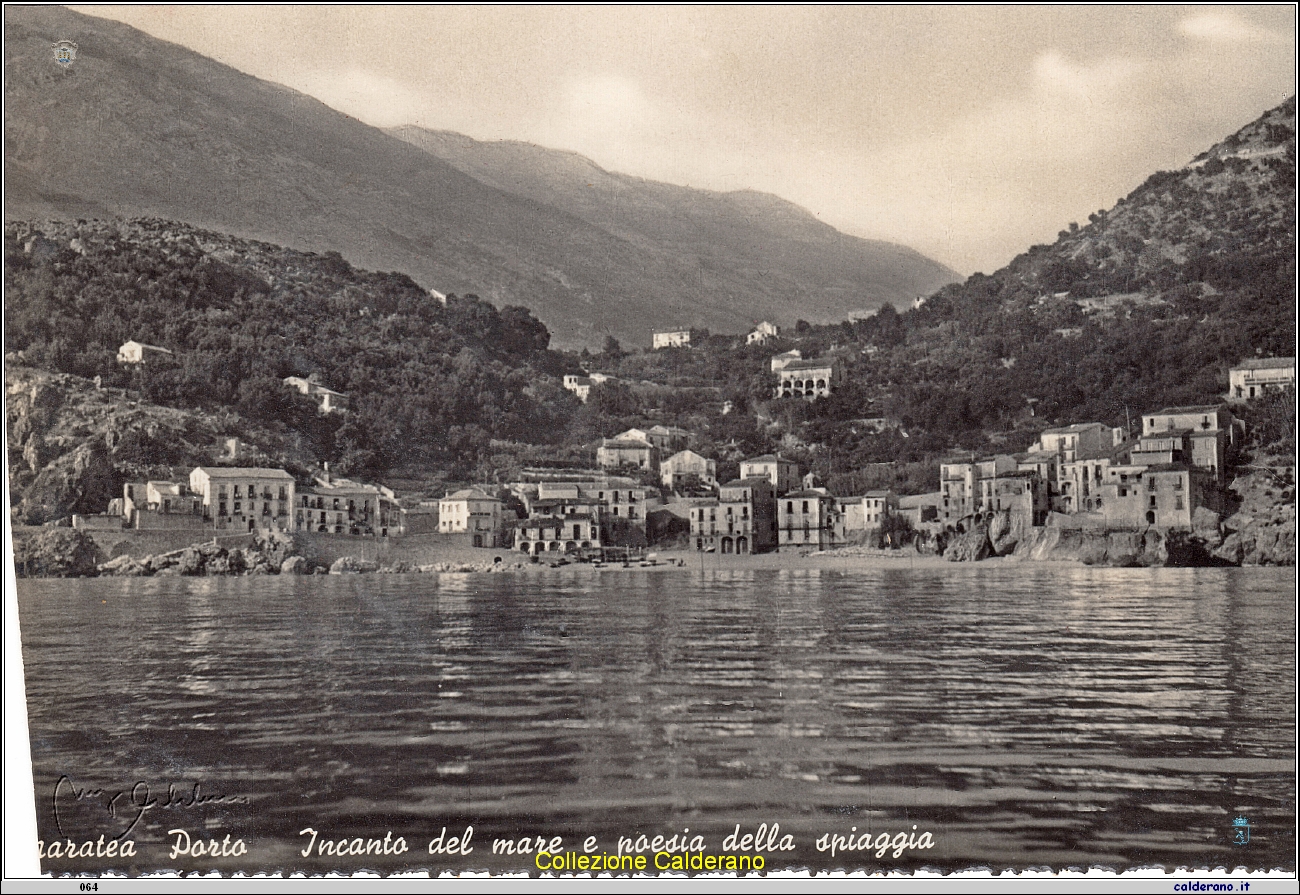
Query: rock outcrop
(54,553)
(1263,530)
(348,564)
(970,545)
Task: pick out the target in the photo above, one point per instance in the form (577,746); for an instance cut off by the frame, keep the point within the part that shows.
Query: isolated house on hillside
(815,378)
(762,333)
(135,352)
(1257,375)
(329,400)
(678,339)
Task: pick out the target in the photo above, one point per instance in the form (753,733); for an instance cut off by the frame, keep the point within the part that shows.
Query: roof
(1074,428)
(1198,408)
(567,502)
(243,472)
(1265,363)
(624,443)
(343,486)
(768,458)
(1168,467)
(1166,433)
(911,501)
(812,364)
(470,494)
(808,494)
(752,481)
(685,454)
(878,493)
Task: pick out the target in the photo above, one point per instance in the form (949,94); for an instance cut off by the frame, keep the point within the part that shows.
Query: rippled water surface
(1023,716)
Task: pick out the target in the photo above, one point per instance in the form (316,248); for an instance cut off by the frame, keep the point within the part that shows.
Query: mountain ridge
(138,127)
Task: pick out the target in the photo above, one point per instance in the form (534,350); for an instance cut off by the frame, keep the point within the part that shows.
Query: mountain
(137,127)
(1147,305)
(746,232)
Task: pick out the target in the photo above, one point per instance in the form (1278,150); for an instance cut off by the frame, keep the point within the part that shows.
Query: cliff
(72,446)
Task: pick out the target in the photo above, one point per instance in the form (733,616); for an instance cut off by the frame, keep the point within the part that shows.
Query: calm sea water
(1024,717)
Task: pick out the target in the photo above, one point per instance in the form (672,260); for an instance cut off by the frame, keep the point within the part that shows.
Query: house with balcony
(1256,375)
(240,499)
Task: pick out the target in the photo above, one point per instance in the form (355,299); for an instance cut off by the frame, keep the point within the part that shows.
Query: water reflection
(1024,716)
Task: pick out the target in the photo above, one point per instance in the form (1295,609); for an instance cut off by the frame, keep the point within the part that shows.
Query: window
(1178,484)
(1151,484)
(1178,502)
(805,506)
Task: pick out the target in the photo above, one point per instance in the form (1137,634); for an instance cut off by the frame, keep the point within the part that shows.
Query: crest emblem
(1240,830)
(65,52)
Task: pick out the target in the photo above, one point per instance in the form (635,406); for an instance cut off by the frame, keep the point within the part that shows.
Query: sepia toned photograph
(607,441)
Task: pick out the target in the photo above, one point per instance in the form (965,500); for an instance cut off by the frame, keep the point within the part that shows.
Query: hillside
(1147,305)
(758,233)
(138,127)
(430,382)
(72,444)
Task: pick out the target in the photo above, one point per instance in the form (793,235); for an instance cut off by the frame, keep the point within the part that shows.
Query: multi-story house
(678,468)
(560,525)
(762,333)
(813,378)
(741,520)
(244,498)
(1164,495)
(616,453)
(1072,442)
(581,384)
(808,519)
(341,506)
(474,513)
(959,482)
(1211,432)
(783,474)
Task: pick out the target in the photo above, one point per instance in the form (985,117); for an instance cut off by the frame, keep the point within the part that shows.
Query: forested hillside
(431,383)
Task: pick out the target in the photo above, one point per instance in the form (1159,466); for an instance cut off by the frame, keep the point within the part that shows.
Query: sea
(882,719)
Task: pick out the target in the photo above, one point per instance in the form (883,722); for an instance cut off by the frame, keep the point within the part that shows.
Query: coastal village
(649,490)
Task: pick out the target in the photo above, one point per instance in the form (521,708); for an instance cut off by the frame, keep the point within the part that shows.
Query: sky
(968,133)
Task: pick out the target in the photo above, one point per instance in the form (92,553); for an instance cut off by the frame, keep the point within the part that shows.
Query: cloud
(1053,73)
(1225,27)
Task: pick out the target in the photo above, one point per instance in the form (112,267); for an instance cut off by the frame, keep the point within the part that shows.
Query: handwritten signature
(137,801)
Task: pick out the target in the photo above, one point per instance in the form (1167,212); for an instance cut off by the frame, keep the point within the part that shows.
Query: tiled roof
(1265,363)
(244,472)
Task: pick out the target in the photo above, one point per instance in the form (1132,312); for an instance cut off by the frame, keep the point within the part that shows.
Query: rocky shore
(1262,532)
